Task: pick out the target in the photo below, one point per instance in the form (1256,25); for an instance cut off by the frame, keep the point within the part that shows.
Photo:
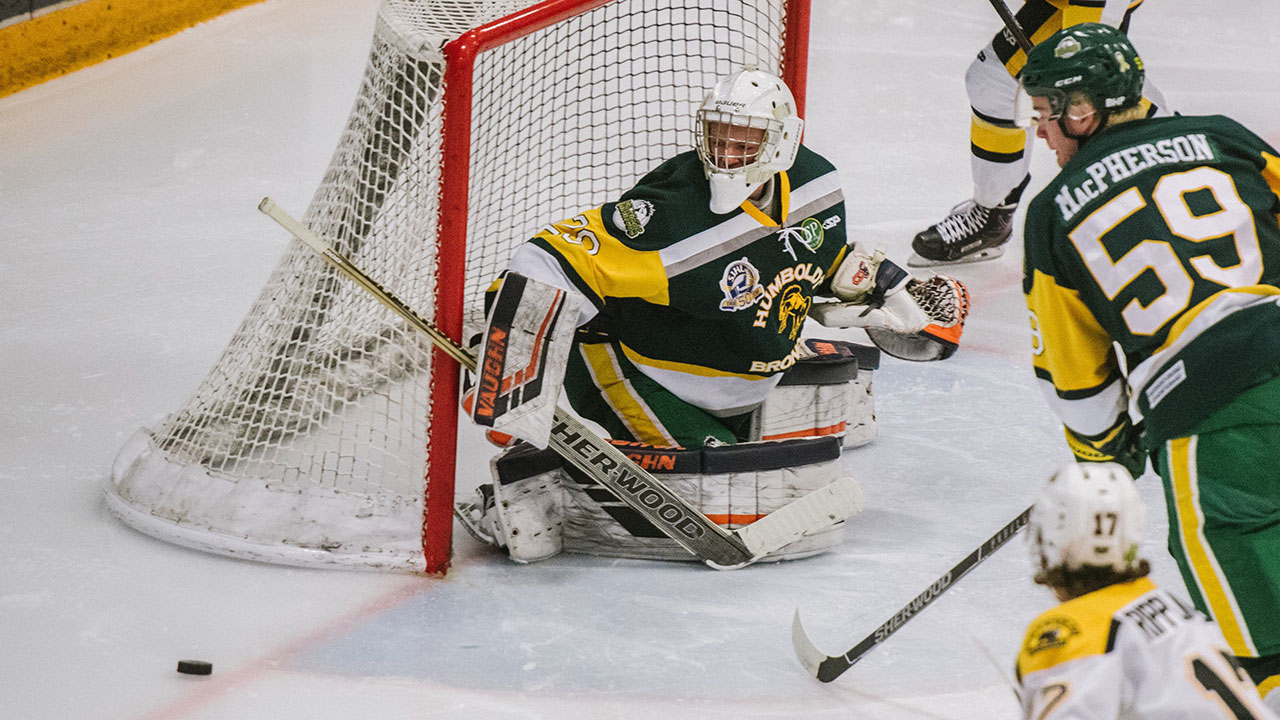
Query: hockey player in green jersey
(1152,272)
(1118,646)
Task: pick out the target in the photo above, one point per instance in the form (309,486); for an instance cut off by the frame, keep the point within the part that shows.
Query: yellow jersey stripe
(626,403)
(1213,583)
(1180,325)
(1268,685)
(1271,174)
(685,368)
(1069,343)
(603,263)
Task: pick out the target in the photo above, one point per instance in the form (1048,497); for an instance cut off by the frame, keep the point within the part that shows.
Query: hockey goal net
(326,434)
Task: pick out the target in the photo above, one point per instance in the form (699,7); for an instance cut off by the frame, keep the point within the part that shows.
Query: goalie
(690,293)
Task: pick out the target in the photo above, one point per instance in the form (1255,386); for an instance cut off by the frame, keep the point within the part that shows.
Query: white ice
(131,248)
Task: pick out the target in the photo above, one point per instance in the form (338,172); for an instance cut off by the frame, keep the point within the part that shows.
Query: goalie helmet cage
(326,433)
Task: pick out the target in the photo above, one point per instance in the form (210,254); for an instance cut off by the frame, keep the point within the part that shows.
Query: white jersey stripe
(742,229)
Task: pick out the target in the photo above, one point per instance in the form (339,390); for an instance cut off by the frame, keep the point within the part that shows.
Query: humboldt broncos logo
(632,216)
(741,286)
(793,307)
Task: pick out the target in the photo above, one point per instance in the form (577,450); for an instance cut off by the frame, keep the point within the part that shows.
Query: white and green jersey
(709,306)
(1131,651)
(1159,236)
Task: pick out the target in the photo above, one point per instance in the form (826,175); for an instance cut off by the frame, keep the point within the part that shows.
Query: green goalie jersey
(710,306)
(1160,235)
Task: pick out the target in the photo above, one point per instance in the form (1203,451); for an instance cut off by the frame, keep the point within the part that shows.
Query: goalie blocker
(538,507)
(520,366)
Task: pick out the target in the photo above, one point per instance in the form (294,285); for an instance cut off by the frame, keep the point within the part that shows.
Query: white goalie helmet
(1088,514)
(746,131)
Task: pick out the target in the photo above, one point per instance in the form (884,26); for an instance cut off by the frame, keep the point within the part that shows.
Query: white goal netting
(312,439)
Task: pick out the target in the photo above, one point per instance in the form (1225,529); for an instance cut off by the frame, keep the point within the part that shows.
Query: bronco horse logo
(793,308)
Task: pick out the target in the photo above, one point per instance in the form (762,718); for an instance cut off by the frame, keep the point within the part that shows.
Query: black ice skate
(971,233)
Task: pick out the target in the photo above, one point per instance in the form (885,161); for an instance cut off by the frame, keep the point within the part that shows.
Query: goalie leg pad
(523,354)
(734,485)
(827,392)
(527,509)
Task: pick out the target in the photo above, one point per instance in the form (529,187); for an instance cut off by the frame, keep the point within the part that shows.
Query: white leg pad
(734,485)
(828,392)
(528,515)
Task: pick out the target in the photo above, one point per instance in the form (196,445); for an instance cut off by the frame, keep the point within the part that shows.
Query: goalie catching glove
(908,318)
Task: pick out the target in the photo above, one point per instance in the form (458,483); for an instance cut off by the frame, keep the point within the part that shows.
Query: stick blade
(818,510)
(819,664)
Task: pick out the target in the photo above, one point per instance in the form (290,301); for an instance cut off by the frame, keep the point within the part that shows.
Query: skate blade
(990,253)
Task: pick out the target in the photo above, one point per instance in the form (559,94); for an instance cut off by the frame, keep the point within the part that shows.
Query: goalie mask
(746,131)
(1089,514)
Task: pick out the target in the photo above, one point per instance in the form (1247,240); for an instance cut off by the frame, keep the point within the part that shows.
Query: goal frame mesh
(456,216)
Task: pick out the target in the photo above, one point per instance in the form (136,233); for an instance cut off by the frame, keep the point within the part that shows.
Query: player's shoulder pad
(1078,628)
(808,166)
(1229,127)
(663,206)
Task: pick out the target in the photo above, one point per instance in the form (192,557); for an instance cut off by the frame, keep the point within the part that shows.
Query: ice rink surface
(132,249)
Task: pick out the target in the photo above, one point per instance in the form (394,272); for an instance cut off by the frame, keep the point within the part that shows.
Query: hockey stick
(829,667)
(821,508)
(1011,23)
(607,465)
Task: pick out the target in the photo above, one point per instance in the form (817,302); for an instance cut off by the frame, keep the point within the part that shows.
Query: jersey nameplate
(1128,162)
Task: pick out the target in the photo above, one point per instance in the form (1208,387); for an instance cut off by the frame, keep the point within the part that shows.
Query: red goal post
(477,121)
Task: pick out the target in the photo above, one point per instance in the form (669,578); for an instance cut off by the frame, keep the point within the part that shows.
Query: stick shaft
(829,667)
(1011,22)
(303,233)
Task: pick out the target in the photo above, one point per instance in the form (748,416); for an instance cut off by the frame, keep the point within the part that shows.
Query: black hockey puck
(195,667)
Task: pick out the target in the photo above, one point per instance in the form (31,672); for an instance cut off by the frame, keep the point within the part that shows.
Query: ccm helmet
(1089,515)
(746,130)
(1092,60)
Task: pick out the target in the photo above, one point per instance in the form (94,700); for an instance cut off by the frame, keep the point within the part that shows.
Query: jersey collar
(784,188)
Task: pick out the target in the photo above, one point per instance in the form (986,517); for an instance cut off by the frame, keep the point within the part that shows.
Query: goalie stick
(717,547)
(829,667)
